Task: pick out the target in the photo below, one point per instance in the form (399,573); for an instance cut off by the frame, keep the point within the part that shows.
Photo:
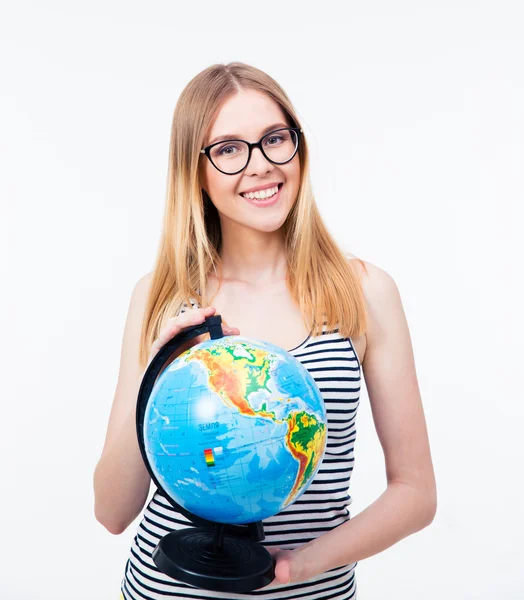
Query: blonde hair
(319,276)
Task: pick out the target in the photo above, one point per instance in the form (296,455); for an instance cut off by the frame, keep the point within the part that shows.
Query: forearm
(400,511)
(121,480)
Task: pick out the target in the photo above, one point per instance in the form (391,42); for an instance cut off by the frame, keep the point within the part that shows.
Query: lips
(278,185)
(260,203)
(262,188)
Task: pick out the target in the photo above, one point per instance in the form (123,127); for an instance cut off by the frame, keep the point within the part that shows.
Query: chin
(263,222)
(268,225)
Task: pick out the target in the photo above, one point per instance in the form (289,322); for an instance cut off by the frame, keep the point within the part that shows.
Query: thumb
(283,570)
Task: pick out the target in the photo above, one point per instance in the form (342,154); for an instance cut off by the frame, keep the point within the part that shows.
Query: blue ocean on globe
(235,430)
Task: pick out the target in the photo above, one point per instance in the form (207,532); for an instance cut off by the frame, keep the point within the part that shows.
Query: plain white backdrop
(413,113)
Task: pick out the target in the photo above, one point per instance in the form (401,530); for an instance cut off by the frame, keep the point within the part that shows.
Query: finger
(175,325)
(231,330)
(192,317)
(283,570)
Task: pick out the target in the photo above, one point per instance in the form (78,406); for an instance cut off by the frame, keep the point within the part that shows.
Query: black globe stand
(213,556)
(213,560)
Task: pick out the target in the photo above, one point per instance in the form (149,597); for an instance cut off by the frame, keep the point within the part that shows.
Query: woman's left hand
(288,567)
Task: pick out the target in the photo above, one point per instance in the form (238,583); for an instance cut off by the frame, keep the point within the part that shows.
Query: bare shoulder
(137,307)
(138,301)
(378,286)
(129,360)
(382,300)
(143,284)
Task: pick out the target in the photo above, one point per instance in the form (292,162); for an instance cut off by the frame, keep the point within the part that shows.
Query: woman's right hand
(175,325)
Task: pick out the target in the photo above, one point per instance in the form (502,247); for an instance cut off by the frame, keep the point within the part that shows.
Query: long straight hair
(319,277)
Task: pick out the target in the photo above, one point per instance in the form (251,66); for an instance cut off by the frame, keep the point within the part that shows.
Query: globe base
(202,558)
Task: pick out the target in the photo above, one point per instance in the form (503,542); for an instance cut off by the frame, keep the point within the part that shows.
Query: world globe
(234,430)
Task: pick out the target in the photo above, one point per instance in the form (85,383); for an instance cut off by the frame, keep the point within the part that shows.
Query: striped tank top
(334,364)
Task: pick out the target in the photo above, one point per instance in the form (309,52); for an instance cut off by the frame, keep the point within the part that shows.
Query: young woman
(243,238)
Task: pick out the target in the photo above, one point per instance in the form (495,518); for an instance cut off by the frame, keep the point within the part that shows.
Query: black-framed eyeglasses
(232,156)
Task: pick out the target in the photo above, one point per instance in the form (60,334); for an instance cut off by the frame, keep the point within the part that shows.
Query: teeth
(262,194)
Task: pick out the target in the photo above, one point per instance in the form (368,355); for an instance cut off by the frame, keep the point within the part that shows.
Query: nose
(258,163)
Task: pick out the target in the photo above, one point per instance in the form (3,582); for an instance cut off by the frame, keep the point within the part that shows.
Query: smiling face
(248,114)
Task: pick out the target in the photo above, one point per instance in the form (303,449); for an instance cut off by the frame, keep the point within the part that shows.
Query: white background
(414,116)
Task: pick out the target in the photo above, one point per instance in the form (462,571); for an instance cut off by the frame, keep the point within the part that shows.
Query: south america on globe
(235,430)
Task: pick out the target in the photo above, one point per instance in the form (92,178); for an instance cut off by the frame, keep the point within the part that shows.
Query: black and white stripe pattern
(333,363)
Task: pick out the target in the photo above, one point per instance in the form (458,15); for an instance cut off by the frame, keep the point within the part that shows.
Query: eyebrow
(236,136)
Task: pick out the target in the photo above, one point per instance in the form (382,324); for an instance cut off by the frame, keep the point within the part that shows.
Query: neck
(254,257)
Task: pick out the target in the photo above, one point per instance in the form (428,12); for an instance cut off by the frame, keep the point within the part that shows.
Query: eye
(227,150)
(273,140)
